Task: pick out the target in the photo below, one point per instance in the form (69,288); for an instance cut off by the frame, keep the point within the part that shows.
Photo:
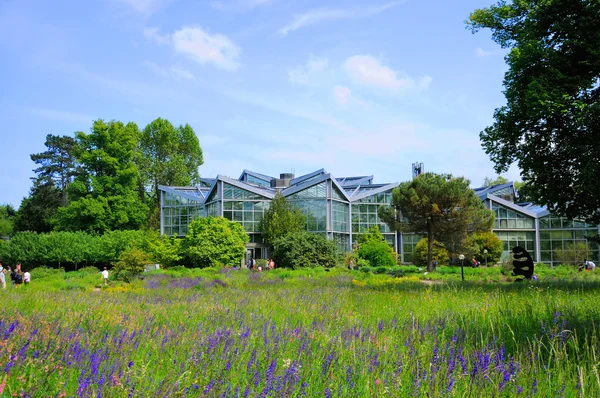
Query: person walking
(105,276)
(2,277)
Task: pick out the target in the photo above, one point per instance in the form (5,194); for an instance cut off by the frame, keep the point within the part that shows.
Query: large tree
(37,210)
(550,124)
(57,164)
(280,219)
(104,196)
(7,219)
(438,205)
(167,155)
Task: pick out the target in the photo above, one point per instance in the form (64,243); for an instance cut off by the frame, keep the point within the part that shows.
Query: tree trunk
(430,250)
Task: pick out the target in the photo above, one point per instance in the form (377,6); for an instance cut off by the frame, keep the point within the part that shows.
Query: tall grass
(302,333)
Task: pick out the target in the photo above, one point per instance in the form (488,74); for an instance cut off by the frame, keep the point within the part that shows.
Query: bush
(302,249)
(131,263)
(366,269)
(573,254)
(480,241)
(362,262)
(378,253)
(45,272)
(439,253)
(214,242)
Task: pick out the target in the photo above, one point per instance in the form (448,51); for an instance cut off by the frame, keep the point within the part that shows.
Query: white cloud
(480,52)
(169,72)
(239,5)
(200,46)
(369,71)
(331,14)
(302,73)
(343,97)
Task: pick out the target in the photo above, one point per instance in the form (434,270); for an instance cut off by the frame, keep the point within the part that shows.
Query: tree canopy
(214,242)
(280,219)
(550,124)
(439,205)
(104,195)
(498,180)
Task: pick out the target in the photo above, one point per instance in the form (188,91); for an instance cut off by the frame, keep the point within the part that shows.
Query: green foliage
(377,253)
(303,249)
(573,254)
(57,165)
(439,253)
(37,211)
(7,219)
(441,206)
(549,125)
(280,219)
(131,262)
(214,242)
(480,241)
(167,155)
(164,250)
(104,196)
(498,180)
(371,234)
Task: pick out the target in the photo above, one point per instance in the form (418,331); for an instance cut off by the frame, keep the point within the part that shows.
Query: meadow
(313,333)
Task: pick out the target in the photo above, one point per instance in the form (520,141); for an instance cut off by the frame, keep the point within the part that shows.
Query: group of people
(252,265)
(18,276)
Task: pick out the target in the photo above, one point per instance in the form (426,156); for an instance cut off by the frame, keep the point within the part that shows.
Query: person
(351,265)
(2,277)
(589,265)
(105,276)
(249,263)
(18,276)
(474,262)
(271,264)
(26,277)
(253,264)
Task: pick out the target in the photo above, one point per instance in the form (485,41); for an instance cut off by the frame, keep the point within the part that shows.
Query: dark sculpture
(523,263)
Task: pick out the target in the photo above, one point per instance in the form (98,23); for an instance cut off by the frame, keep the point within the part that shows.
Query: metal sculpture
(523,264)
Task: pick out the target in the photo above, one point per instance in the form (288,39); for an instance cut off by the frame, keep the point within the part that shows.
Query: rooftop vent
(283,181)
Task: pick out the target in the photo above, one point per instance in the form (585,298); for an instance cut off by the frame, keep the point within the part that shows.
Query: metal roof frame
(174,191)
(355,197)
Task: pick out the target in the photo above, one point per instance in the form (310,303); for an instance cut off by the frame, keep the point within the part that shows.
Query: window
(231,192)
(509,219)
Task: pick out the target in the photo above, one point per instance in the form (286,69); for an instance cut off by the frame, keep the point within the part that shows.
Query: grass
(307,333)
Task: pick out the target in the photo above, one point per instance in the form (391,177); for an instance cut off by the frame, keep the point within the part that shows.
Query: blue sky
(355,87)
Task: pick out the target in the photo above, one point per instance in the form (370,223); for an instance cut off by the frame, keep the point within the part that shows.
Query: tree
(167,155)
(36,211)
(573,254)
(57,164)
(373,248)
(441,206)
(281,219)
(490,182)
(550,124)
(7,219)
(104,196)
(214,242)
(304,250)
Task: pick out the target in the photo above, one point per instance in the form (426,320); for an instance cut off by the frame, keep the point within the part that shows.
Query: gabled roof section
(511,205)
(359,194)
(340,188)
(266,192)
(482,191)
(263,177)
(298,180)
(292,189)
(350,181)
(191,193)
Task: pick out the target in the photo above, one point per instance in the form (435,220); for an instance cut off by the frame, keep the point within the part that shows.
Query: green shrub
(366,269)
(380,270)
(214,242)
(302,249)
(47,273)
(480,241)
(378,253)
(131,263)
(439,253)
(88,270)
(363,262)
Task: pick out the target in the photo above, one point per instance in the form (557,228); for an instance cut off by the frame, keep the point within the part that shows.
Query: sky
(273,86)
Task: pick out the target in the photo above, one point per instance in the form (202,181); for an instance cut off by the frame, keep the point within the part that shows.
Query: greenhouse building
(340,208)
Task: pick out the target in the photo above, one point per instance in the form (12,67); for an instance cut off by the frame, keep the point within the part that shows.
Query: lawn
(299,333)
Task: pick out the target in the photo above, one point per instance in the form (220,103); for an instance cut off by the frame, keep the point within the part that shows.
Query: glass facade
(509,219)
(177,212)
(558,233)
(329,213)
(312,202)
